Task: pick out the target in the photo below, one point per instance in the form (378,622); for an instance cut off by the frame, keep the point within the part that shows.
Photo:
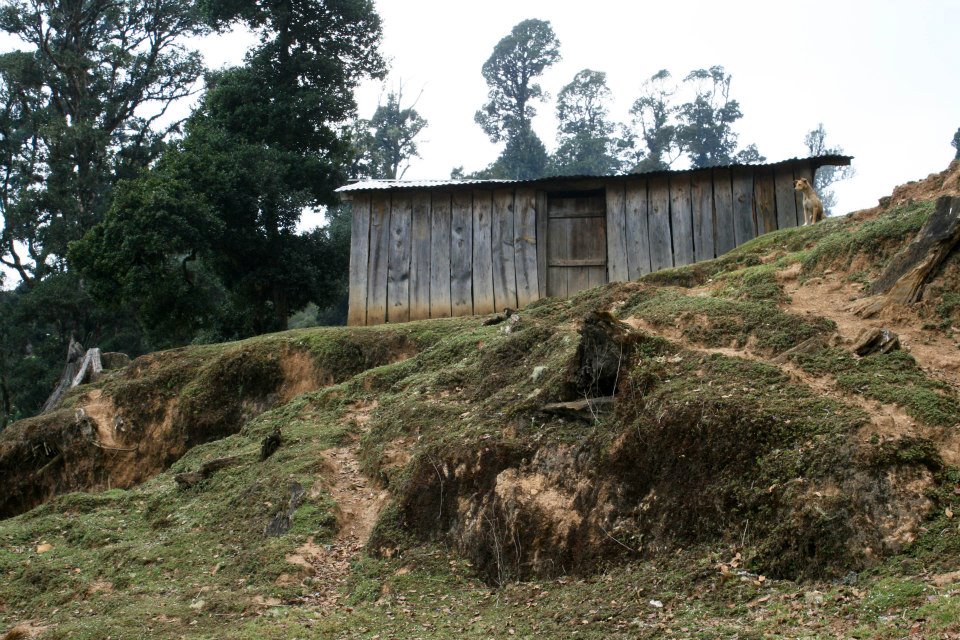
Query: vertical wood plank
(398,271)
(359,260)
(461,253)
(420,256)
(596,276)
(743,223)
(801,172)
(440,240)
(723,210)
(577,280)
(764,200)
(658,219)
(681,220)
(701,201)
(504,253)
(379,258)
(542,242)
(483,301)
(785,199)
(525,245)
(617,267)
(638,236)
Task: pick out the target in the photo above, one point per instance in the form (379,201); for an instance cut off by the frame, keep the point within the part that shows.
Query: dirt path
(832,297)
(358,505)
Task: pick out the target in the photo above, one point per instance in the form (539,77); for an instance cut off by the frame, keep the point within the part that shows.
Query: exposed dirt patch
(358,505)
(300,375)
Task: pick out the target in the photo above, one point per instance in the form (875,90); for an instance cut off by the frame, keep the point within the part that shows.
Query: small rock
(43,547)
(874,340)
(657,604)
(538,373)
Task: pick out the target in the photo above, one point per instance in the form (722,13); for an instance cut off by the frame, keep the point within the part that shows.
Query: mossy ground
(157,561)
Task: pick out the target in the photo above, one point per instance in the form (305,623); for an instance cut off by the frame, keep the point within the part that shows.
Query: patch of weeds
(720,322)
(893,378)
(876,239)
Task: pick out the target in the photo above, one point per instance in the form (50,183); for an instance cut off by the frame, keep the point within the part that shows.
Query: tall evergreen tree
(510,71)
(584,133)
(956,144)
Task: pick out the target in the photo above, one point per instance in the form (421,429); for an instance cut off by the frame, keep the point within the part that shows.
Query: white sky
(883,76)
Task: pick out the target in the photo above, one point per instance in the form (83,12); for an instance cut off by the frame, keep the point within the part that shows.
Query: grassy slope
(160,562)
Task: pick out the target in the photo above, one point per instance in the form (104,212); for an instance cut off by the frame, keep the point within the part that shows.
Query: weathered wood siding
(439,252)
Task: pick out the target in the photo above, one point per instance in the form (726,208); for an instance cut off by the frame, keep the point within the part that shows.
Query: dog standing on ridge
(812,206)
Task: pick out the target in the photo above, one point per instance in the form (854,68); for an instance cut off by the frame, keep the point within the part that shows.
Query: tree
(584,131)
(655,114)
(84,105)
(510,71)
(956,144)
(816,143)
(267,141)
(384,145)
(706,122)
(394,131)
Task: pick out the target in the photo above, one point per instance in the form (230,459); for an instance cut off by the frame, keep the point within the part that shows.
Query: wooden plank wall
(434,253)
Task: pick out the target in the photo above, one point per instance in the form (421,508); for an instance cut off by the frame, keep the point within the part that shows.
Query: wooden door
(576,242)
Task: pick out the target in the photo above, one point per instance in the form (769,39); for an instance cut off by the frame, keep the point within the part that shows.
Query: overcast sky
(883,77)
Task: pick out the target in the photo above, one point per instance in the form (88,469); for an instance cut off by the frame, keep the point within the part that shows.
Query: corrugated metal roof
(380,185)
(387,185)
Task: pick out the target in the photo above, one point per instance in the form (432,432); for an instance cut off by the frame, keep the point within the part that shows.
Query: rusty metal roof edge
(387,185)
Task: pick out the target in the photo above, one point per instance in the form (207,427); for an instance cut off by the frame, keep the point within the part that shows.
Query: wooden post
(658,217)
(420,256)
(786,200)
(440,268)
(525,244)
(379,258)
(701,199)
(723,211)
(638,235)
(461,254)
(503,254)
(764,200)
(483,301)
(744,228)
(359,259)
(617,268)
(398,270)
(681,219)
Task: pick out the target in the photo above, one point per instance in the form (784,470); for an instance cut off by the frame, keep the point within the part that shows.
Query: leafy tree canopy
(83,106)
(584,133)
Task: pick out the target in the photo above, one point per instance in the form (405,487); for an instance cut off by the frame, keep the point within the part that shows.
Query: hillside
(698,454)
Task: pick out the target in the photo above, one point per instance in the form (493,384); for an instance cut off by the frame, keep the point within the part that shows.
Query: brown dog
(812,207)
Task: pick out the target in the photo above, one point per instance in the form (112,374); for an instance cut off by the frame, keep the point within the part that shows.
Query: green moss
(892,378)
(717,322)
(876,239)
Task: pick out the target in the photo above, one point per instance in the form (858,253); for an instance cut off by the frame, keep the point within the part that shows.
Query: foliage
(655,115)
(816,143)
(83,107)
(586,146)
(510,71)
(384,145)
(955,143)
(266,142)
(701,127)
(706,122)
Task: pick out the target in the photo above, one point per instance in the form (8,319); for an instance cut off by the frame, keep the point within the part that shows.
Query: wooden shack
(432,249)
